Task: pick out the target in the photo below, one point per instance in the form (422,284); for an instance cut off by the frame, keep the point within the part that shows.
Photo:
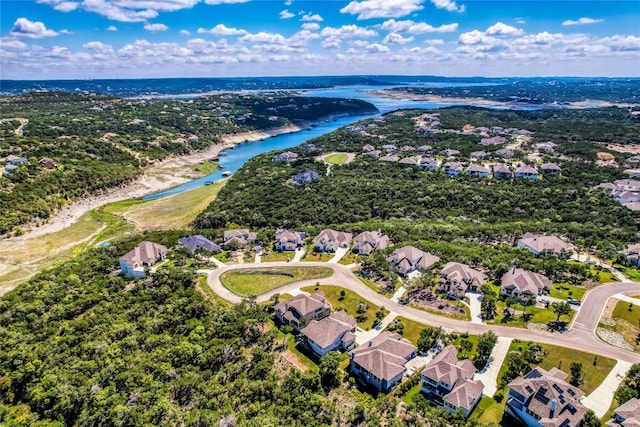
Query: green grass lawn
(336,158)
(349,303)
(294,347)
(488,411)
(539,315)
(564,290)
(260,280)
(349,258)
(223,257)
(208,293)
(474,341)
(275,256)
(607,277)
(408,398)
(631,273)
(622,312)
(411,329)
(309,255)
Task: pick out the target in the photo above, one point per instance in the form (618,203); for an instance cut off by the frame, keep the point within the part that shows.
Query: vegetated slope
(96,141)
(262,195)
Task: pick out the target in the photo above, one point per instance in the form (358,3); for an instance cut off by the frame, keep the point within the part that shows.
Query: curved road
(581,335)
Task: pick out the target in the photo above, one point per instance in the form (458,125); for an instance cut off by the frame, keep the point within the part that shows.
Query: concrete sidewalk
(600,399)
(625,298)
(489,376)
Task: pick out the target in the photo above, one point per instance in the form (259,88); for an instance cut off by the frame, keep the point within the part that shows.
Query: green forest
(97,141)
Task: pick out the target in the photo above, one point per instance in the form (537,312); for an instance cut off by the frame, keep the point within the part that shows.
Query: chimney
(553,408)
(370,343)
(513,271)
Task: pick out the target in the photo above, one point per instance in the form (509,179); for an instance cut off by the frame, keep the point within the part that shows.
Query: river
(233,158)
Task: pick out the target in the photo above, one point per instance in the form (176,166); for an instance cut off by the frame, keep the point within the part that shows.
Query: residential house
(407,149)
(16,161)
(550,169)
(375,153)
(329,240)
(450,152)
(495,140)
(199,242)
(389,147)
(633,255)
(524,284)
(134,262)
(449,382)
(242,236)
(409,161)
(8,169)
(623,196)
(544,398)
(428,163)
(380,362)
(478,155)
(300,310)
(304,178)
(627,414)
(525,172)
(479,171)
(505,153)
(287,156)
(288,240)
(538,244)
(425,149)
(368,148)
(409,259)
(311,147)
(367,242)
(453,168)
(333,333)
(628,184)
(389,158)
(547,146)
(456,279)
(47,163)
(501,172)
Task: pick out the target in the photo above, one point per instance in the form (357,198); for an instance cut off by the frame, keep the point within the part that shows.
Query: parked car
(573,301)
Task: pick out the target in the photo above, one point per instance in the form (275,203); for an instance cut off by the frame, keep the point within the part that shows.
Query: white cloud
(449,5)
(347,31)
(621,43)
(377,48)
(332,42)
(156,27)
(408,26)
(213,2)
(8,43)
(310,17)
(98,46)
(222,30)
(311,26)
(112,28)
(61,5)
(263,37)
(285,14)
(395,38)
(520,21)
(288,2)
(434,42)
(501,29)
(33,30)
(185,32)
(117,13)
(368,9)
(582,21)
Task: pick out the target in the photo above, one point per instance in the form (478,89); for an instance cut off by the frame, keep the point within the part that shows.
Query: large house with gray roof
(544,244)
(288,240)
(456,279)
(544,399)
(242,236)
(409,259)
(330,240)
(633,255)
(199,242)
(381,361)
(453,168)
(333,333)
(627,415)
(134,262)
(449,382)
(300,310)
(524,284)
(367,242)
(287,156)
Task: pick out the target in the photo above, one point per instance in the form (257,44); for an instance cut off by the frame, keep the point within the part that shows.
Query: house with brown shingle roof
(453,168)
(287,156)
(524,284)
(428,163)
(627,415)
(544,398)
(288,240)
(333,333)
(478,155)
(495,140)
(134,262)
(550,169)
(380,362)
(456,279)
(367,242)
(525,172)
(506,153)
(389,158)
(242,236)
(409,161)
(409,259)
(425,148)
(329,240)
(448,382)
(302,309)
(538,244)
(479,171)
(501,172)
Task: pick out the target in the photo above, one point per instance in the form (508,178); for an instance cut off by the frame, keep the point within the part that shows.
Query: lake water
(233,159)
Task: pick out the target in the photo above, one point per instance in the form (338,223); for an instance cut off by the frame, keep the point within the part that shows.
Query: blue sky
(77,39)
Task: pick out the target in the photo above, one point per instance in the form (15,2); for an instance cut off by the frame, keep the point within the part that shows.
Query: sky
(91,39)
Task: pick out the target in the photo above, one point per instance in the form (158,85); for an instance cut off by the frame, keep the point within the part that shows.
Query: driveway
(475,302)
(600,399)
(299,253)
(364,336)
(340,252)
(581,335)
(489,375)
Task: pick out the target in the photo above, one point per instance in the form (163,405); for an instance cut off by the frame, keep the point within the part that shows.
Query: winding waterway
(233,158)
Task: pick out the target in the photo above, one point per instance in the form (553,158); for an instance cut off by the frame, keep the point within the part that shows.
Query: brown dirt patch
(293,359)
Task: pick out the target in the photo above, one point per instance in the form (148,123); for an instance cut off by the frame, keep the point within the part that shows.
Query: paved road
(581,336)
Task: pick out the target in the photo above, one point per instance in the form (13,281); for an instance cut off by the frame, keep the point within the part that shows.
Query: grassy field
(309,255)
(167,213)
(631,273)
(260,280)
(349,258)
(628,312)
(336,158)
(539,315)
(349,303)
(564,290)
(411,329)
(275,256)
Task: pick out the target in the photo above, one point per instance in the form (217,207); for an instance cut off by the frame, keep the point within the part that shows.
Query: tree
(561,309)
(590,419)
(330,370)
(486,342)
(576,373)
(429,336)
(488,308)
(466,346)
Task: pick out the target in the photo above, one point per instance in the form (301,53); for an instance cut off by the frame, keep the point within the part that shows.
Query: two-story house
(329,240)
(288,240)
(544,244)
(134,262)
(367,242)
(300,310)
(409,259)
(333,333)
(456,279)
(627,415)
(523,284)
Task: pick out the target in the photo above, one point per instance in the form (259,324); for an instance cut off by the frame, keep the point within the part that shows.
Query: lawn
(349,303)
(208,293)
(488,411)
(223,257)
(562,357)
(260,280)
(631,273)
(564,290)
(336,158)
(411,329)
(436,311)
(474,341)
(349,258)
(274,256)
(539,315)
(622,312)
(310,255)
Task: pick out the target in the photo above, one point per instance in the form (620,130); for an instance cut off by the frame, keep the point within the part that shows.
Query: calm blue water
(233,159)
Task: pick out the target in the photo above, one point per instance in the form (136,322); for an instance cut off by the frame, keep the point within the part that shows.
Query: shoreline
(155,178)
